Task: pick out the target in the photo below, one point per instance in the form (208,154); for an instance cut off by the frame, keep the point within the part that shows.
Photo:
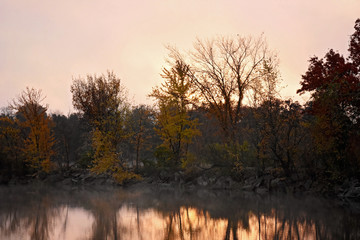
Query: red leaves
(333,69)
(334,81)
(354,47)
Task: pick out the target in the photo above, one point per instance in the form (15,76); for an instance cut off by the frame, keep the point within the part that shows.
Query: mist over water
(34,212)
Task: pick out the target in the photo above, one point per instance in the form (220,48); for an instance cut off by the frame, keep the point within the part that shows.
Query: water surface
(33,212)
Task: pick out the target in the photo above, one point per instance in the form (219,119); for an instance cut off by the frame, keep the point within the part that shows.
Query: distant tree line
(217,108)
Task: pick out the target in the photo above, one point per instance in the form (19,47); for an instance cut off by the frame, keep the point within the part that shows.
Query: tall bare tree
(225,70)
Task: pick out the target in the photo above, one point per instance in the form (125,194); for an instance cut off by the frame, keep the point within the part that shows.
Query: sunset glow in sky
(45,44)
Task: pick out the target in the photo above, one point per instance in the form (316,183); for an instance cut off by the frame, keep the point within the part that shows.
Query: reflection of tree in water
(157,214)
(184,223)
(33,215)
(105,209)
(40,223)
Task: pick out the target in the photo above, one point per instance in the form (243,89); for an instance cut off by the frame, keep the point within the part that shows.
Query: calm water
(29,212)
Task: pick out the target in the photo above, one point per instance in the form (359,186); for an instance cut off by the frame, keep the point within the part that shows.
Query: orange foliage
(39,142)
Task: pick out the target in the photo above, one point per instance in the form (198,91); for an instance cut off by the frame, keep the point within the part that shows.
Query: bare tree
(225,71)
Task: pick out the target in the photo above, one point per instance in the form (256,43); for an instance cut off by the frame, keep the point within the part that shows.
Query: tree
(69,133)
(101,100)
(225,71)
(38,146)
(11,144)
(175,127)
(143,139)
(281,133)
(334,84)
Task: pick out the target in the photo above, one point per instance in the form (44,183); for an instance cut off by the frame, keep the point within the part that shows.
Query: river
(149,212)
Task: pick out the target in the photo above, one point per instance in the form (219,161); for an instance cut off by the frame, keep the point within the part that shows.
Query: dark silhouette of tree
(70,135)
(11,144)
(334,84)
(144,140)
(281,133)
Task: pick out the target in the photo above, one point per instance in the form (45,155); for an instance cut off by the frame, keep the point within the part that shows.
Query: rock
(54,178)
(212,180)
(110,181)
(275,183)
(261,191)
(73,180)
(223,183)
(249,172)
(165,176)
(76,175)
(202,181)
(248,188)
(258,182)
(88,178)
(67,181)
(178,177)
(307,184)
(250,180)
(353,192)
(278,184)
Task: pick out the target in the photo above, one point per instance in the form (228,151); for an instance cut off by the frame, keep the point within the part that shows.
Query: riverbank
(270,181)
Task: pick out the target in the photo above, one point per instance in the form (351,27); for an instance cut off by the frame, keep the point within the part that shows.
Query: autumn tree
(175,126)
(101,100)
(225,71)
(334,84)
(38,146)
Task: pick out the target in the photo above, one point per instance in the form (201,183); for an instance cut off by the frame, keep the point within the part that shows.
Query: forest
(217,111)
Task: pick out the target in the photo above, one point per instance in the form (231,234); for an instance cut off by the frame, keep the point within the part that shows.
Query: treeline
(217,108)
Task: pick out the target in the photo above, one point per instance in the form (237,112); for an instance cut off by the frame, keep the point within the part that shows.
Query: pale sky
(45,44)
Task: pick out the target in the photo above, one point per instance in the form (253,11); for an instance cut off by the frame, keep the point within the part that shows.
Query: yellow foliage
(120,175)
(106,160)
(174,97)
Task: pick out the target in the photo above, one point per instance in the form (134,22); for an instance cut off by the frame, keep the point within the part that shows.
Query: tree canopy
(225,71)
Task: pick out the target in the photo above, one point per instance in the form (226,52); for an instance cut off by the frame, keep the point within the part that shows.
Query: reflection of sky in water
(120,214)
(187,223)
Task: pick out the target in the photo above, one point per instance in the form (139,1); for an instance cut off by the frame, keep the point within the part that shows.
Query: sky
(46,44)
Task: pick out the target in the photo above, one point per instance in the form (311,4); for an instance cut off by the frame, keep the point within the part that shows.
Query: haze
(45,44)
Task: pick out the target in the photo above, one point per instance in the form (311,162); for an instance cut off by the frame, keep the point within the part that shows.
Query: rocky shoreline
(270,181)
